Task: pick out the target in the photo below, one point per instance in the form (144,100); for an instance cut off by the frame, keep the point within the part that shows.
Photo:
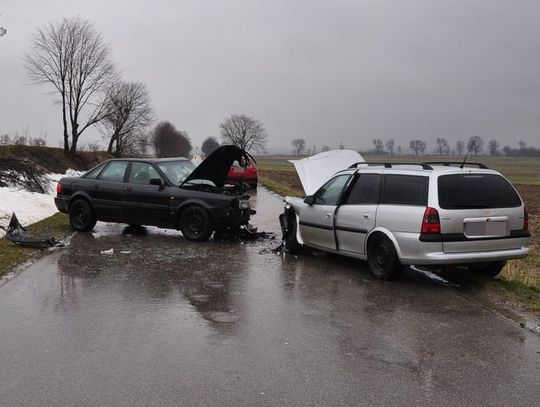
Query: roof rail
(461,164)
(425,166)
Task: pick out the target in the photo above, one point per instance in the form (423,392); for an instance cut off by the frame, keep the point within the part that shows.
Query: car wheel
(488,269)
(81,216)
(195,224)
(382,259)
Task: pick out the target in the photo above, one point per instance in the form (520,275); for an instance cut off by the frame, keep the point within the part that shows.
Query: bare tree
(476,145)
(442,146)
(128,115)
(244,131)
(299,145)
(5,140)
(418,146)
(460,147)
(493,147)
(170,142)
(72,57)
(325,148)
(209,146)
(379,145)
(390,145)
(38,142)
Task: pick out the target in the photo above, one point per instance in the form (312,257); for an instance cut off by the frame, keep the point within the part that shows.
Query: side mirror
(310,200)
(156,181)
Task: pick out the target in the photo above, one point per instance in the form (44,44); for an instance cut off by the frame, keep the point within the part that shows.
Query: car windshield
(176,171)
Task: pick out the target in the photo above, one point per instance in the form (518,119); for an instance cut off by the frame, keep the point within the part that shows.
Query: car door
(317,219)
(355,217)
(107,192)
(145,203)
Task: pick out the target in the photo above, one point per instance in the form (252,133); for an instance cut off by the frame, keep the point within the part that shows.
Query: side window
(142,173)
(93,173)
(330,192)
(114,171)
(365,190)
(405,190)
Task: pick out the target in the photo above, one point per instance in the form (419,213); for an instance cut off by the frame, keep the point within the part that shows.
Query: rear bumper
(466,258)
(62,204)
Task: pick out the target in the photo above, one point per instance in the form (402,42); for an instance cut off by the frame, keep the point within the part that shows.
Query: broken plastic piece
(110,251)
(19,236)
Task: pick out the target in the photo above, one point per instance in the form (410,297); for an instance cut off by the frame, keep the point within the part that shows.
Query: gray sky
(328,71)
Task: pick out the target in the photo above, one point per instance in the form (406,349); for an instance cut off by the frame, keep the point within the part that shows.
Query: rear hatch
(479,211)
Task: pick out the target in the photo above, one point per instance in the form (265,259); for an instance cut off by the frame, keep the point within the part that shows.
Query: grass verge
(278,187)
(12,256)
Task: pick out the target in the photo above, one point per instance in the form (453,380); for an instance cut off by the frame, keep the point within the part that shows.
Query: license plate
(493,228)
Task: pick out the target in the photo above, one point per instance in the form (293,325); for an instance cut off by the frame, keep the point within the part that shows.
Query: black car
(169,193)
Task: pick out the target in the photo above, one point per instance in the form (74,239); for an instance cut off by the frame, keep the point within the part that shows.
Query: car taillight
(59,188)
(525,219)
(431,223)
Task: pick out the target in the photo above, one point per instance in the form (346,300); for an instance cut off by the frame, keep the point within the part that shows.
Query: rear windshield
(476,191)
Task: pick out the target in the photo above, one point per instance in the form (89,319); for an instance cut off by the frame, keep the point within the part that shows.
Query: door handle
(127,189)
(327,215)
(365,215)
(96,186)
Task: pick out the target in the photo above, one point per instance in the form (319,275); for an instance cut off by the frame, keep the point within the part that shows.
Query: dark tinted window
(405,190)
(114,171)
(365,190)
(476,191)
(330,192)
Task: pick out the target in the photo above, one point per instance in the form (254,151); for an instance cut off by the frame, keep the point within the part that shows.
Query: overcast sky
(328,71)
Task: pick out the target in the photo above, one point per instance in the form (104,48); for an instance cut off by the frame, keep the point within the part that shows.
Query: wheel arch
(80,195)
(373,234)
(193,202)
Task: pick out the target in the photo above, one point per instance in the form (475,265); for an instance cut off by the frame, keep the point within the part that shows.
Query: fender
(80,194)
(294,203)
(388,234)
(189,202)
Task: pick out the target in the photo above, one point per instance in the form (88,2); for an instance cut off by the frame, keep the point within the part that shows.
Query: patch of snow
(30,207)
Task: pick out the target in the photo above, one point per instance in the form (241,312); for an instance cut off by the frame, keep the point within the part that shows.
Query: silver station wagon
(412,214)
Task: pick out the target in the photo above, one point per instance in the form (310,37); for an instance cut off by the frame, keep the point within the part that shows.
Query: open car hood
(315,170)
(216,166)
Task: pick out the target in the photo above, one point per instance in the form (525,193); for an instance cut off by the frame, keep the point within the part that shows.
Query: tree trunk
(74,138)
(64,121)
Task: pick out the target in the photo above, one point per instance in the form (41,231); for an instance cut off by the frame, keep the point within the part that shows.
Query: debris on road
(19,236)
(110,251)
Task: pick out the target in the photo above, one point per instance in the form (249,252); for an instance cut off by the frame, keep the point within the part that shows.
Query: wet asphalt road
(174,323)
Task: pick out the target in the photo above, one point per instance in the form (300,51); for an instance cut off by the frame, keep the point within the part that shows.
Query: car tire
(382,258)
(196,224)
(81,216)
(491,269)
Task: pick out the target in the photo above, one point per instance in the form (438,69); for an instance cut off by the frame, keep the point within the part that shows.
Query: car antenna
(471,146)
